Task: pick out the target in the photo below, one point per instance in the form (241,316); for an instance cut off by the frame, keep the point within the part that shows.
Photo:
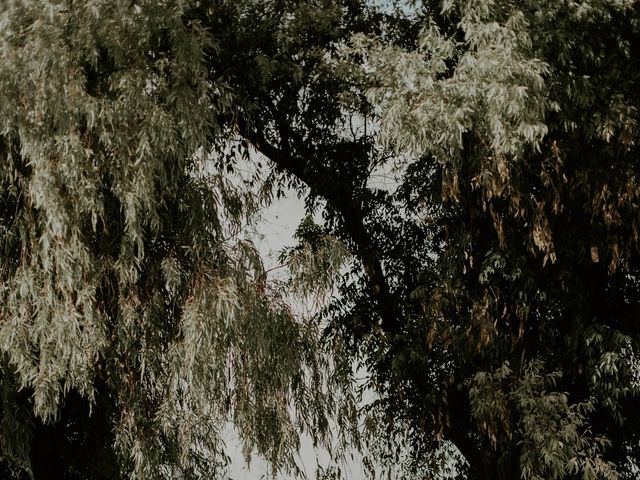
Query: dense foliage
(135,321)
(517,340)
(492,294)
(494,298)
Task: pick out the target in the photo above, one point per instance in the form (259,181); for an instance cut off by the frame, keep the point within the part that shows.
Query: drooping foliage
(135,321)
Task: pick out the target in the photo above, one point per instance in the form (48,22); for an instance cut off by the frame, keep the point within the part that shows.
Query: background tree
(494,294)
(497,305)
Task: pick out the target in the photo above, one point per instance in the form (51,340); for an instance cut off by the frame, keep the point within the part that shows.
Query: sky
(277,226)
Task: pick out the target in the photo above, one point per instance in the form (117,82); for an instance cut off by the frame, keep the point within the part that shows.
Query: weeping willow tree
(135,320)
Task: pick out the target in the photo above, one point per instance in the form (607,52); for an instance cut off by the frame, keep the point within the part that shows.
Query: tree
(494,298)
(135,320)
(496,294)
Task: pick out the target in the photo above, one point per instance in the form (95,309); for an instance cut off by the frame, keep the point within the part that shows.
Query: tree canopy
(491,292)
(135,318)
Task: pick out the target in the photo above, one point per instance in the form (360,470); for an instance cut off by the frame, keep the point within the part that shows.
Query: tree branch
(339,195)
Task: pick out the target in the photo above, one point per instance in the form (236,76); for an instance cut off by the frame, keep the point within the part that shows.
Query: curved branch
(339,195)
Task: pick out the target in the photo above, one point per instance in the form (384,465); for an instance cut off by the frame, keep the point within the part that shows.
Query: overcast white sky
(277,227)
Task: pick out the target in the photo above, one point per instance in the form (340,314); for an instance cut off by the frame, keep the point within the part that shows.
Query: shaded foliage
(493,294)
(517,340)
